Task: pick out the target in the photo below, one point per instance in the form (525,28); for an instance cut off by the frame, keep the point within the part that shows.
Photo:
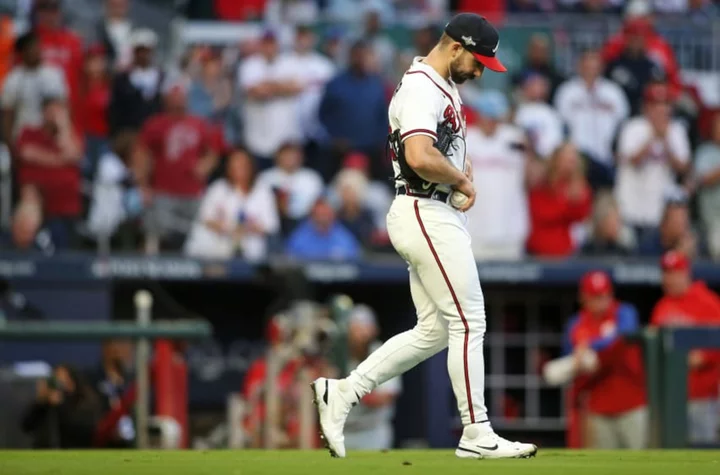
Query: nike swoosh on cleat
(494,447)
(325,396)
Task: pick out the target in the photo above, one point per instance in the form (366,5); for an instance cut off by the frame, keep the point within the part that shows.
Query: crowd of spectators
(277,145)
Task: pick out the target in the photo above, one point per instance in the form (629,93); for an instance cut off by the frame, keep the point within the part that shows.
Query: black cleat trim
(325,396)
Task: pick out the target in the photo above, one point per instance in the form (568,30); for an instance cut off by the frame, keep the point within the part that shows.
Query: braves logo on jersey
(451,118)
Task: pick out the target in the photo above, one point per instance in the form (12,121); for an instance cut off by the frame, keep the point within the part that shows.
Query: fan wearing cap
(428,229)
(652,149)
(599,328)
(136,93)
(688,303)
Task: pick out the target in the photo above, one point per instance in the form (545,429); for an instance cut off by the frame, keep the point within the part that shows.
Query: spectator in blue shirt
(353,112)
(321,237)
(674,233)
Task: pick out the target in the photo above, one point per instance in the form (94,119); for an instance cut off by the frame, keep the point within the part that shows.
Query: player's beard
(457,75)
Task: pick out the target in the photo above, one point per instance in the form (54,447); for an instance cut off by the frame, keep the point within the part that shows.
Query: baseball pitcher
(426,224)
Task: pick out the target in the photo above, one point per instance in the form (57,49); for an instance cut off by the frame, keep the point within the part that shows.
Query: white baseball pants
(432,238)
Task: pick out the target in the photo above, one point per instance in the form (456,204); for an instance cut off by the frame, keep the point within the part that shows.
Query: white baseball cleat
(489,445)
(333,408)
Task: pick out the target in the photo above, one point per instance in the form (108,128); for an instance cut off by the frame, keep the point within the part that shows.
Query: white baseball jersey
(424,100)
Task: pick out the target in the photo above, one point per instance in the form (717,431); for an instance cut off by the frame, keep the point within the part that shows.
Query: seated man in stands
(606,366)
(674,232)
(688,303)
(26,232)
(49,158)
(322,237)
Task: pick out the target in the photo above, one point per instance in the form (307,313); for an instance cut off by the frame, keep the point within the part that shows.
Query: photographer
(64,413)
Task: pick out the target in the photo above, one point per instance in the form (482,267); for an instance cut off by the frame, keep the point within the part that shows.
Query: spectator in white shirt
(537,118)
(296,187)
(593,108)
(26,86)
(652,150)
(707,176)
(498,223)
(114,31)
(236,214)
(270,85)
(313,71)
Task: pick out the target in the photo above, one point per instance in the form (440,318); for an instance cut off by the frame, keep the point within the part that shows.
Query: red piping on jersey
(457,306)
(418,131)
(436,84)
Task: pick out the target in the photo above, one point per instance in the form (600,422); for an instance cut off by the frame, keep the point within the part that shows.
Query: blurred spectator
(26,231)
(354,113)
(7,45)
(136,93)
(539,60)
(116,199)
(652,148)
(379,44)
(593,108)
(608,235)
(369,425)
(111,381)
(236,214)
(314,71)
(49,157)
(658,50)
(65,412)
(561,200)
(28,82)
(688,303)
(176,154)
(296,187)
(351,187)
(702,11)
(674,232)
(60,47)
(632,69)
(537,118)
(707,174)
(210,94)
(606,366)
(498,223)
(331,46)
(377,198)
(270,87)
(321,237)
(115,33)
(530,6)
(95,88)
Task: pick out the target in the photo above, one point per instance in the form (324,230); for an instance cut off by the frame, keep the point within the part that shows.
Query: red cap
(657,92)
(596,283)
(674,261)
(357,161)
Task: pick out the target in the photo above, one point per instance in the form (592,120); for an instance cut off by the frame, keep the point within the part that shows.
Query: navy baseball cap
(478,36)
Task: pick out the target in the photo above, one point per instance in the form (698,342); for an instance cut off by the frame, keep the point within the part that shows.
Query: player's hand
(467,188)
(696,358)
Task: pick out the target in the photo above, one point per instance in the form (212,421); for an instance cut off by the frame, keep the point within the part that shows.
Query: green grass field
(440,462)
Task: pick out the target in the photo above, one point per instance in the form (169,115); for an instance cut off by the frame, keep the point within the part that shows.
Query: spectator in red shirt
(657,49)
(175,156)
(48,159)
(561,200)
(96,94)
(607,366)
(60,47)
(688,303)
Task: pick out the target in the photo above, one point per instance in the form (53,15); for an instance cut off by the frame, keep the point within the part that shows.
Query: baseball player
(427,141)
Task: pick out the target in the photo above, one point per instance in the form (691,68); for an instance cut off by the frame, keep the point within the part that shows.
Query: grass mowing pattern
(410,462)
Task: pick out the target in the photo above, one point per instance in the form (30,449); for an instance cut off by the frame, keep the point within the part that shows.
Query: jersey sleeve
(419,105)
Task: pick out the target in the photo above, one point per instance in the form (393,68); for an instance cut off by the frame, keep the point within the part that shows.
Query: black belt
(436,195)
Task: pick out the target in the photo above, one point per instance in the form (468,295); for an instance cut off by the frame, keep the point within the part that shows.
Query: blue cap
(490,104)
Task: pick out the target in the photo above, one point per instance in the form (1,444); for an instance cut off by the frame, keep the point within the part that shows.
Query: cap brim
(491,63)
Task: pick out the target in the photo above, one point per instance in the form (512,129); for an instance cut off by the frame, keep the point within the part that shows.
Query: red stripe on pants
(459,309)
